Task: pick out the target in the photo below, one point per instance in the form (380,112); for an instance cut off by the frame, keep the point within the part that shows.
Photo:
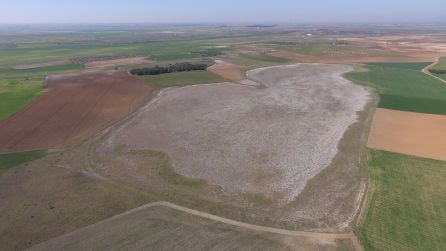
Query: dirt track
(425,70)
(417,134)
(76,236)
(75,107)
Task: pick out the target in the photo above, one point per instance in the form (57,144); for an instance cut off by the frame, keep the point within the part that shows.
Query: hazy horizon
(198,11)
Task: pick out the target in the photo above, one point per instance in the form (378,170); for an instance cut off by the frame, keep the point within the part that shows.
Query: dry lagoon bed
(284,153)
(269,139)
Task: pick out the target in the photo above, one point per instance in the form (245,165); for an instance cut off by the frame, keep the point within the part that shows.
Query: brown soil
(409,133)
(227,70)
(75,107)
(37,65)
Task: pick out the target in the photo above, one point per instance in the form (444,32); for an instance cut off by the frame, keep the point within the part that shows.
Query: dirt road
(312,235)
(425,70)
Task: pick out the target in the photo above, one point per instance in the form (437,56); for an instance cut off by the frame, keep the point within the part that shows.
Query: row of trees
(437,71)
(178,67)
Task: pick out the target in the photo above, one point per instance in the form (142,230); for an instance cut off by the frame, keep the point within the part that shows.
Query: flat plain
(193,148)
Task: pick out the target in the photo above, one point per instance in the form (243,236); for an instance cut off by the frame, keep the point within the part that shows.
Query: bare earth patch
(246,139)
(75,107)
(411,133)
(227,70)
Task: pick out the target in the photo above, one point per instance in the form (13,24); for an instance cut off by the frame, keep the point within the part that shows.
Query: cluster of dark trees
(178,67)
(435,71)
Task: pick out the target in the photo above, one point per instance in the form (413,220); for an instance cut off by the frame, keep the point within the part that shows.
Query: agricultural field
(442,76)
(265,136)
(17,92)
(325,49)
(416,134)
(182,79)
(156,50)
(10,160)
(405,203)
(227,70)
(441,65)
(403,87)
(74,108)
(42,70)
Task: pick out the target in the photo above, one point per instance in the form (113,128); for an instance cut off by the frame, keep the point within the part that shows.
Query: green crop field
(265,58)
(328,49)
(405,204)
(169,50)
(15,93)
(182,79)
(10,160)
(43,70)
(403,87)
(441,64)
(407,66)
(442,76)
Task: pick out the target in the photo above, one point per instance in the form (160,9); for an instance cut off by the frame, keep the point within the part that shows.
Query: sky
(223,11)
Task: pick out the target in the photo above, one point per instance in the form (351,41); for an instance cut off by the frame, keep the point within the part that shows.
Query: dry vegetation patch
(159,228)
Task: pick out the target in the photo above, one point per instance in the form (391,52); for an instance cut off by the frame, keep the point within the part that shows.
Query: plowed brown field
(227,70)
(417,134)
(75,107)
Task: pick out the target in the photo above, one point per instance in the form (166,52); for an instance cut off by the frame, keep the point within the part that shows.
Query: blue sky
(162,11)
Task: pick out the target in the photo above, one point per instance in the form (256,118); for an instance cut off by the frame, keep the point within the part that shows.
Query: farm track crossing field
(162,228)
(403,87)
(441,65)
(75,107)
(409,133)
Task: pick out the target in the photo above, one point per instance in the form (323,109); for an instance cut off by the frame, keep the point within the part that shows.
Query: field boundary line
(312,235)
(425,70)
